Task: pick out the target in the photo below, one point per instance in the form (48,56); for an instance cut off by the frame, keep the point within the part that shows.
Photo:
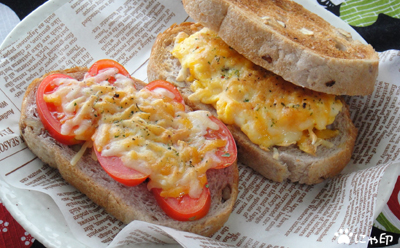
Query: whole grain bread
(292,163)
(124,203)
(287,39)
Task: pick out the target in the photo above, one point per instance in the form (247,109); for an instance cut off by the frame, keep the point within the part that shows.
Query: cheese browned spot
(268,109)
(149,131)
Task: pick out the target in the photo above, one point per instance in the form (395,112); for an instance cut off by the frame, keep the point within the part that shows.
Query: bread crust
(292,163)
(287,39)
(124,203)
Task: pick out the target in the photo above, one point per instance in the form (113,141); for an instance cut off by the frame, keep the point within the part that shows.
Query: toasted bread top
(284,37)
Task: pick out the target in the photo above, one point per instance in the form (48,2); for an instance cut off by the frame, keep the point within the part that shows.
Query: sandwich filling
(268,109)
(148,130)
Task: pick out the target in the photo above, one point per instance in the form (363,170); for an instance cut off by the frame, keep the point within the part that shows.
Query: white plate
(38,213)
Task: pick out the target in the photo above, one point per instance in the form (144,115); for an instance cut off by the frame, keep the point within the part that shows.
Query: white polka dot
(27,243)
(5,229)
(26,233)
(1,222)
(6,224)
(23,238)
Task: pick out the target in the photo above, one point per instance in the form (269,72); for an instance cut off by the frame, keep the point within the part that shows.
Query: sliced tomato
(226,154)
(49,113)
(105,64)
(184,208)
(167,86)
(118,171)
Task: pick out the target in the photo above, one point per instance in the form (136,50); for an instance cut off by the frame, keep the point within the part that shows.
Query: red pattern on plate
(11,233)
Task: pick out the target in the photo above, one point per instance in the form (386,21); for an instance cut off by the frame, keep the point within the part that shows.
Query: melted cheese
(268,109)
(149,131)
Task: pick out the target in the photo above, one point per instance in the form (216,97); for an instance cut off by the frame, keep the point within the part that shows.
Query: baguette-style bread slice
(124,203)
(287,39)
(292,163)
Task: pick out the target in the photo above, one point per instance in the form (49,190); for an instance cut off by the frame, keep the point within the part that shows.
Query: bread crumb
(275,154)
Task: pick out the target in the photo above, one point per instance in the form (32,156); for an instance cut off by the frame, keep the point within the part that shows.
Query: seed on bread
(330,83)
(340,46)
(281,23)
(306,31)
(267,58)
(344,33)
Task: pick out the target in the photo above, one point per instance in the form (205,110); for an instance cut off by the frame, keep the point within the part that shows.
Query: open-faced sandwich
(135,149)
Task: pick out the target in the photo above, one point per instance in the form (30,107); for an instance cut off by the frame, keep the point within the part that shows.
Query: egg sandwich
(277,93)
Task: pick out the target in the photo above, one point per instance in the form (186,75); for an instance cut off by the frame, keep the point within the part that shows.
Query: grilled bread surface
(287,39)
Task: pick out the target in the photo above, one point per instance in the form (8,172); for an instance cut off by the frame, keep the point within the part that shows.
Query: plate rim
(49,7)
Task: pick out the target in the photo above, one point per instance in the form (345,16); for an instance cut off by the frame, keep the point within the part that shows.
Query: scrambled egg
(268,109)
(149,131)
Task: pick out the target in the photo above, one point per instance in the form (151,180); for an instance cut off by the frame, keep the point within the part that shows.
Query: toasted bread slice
(291,163)
(287,39)
(125,203)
